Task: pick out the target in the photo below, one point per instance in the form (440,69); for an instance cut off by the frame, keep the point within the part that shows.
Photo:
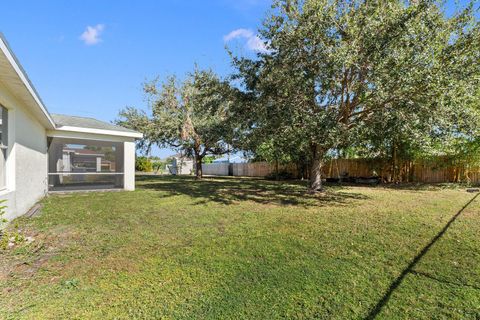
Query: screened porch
(80,164)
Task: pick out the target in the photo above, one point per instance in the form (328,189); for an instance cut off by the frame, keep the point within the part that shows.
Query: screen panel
(84,164)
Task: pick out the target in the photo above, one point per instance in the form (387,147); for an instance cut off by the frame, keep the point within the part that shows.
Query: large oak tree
(335,67)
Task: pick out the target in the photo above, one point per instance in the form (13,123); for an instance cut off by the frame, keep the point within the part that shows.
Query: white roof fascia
(136,135)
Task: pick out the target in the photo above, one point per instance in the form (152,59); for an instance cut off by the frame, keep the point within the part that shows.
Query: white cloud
(256,44)
(91,35)
(253,42)
(238,33)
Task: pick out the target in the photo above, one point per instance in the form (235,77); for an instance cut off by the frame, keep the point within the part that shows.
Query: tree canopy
(188,116)
(336,69)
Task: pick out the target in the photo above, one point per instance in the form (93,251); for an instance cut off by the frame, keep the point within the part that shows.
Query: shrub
(282,175)
(3,235)
(143,164)
(208,159)
(158,166)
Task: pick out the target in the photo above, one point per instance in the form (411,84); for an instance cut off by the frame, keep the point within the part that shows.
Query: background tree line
(398,80)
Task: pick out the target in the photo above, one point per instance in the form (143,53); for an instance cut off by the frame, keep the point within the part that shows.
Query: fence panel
(429,172)
(254,169)
(215,169)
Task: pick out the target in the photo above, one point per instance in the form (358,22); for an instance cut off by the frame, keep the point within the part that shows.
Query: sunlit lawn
(245,249)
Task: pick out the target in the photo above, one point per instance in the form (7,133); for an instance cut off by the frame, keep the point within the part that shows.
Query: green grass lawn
(177,248)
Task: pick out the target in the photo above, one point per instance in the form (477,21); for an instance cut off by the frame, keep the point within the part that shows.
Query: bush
(158,166)
(208,159)
(143,164)
(282,175)
(3,234)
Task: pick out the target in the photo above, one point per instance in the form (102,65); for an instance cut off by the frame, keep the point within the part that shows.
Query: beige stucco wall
(129,165)
(26,163)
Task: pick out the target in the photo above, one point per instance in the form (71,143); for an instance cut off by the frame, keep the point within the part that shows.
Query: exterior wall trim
(88,136)
(136,135)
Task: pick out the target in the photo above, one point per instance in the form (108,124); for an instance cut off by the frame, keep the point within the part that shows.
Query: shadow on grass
(444,281)
(410,268)
(424,186)
(410,186)
(228,190)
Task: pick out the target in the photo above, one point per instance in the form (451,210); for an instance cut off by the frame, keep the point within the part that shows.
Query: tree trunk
(276,170)
(198,167)
(299,170)
(394,164)
(316,169)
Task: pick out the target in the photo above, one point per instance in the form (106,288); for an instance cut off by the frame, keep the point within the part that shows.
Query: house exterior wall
(129,165)
(182,166)
(26,158)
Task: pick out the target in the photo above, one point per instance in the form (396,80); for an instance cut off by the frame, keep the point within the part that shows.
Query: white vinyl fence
(255,169)
(215,169)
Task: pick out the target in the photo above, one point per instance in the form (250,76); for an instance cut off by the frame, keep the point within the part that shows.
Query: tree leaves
(349,73)
(189,116)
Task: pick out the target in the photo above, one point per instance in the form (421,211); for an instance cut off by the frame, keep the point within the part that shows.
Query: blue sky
(128,42)
(90,57)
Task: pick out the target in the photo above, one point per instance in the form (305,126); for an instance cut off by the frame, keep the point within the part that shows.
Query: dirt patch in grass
(25,259)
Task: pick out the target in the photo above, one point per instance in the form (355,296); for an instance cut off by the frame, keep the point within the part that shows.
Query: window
(3,144)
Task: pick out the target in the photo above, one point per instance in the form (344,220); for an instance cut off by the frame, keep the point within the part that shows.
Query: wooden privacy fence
(433,171)
(254,169)
(429,172)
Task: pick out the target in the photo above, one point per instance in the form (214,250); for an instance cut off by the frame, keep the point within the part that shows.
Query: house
(181,165)
(42,152)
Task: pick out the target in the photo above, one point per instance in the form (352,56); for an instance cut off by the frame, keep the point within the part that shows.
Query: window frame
(4,144)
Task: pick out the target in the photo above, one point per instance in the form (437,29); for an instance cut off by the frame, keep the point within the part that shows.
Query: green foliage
(271,152)
(4,236)
(158,166)
(208,159)
(358,73)
(281,175)
(7,236)
(3,220)
(190,116)
(143,164)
